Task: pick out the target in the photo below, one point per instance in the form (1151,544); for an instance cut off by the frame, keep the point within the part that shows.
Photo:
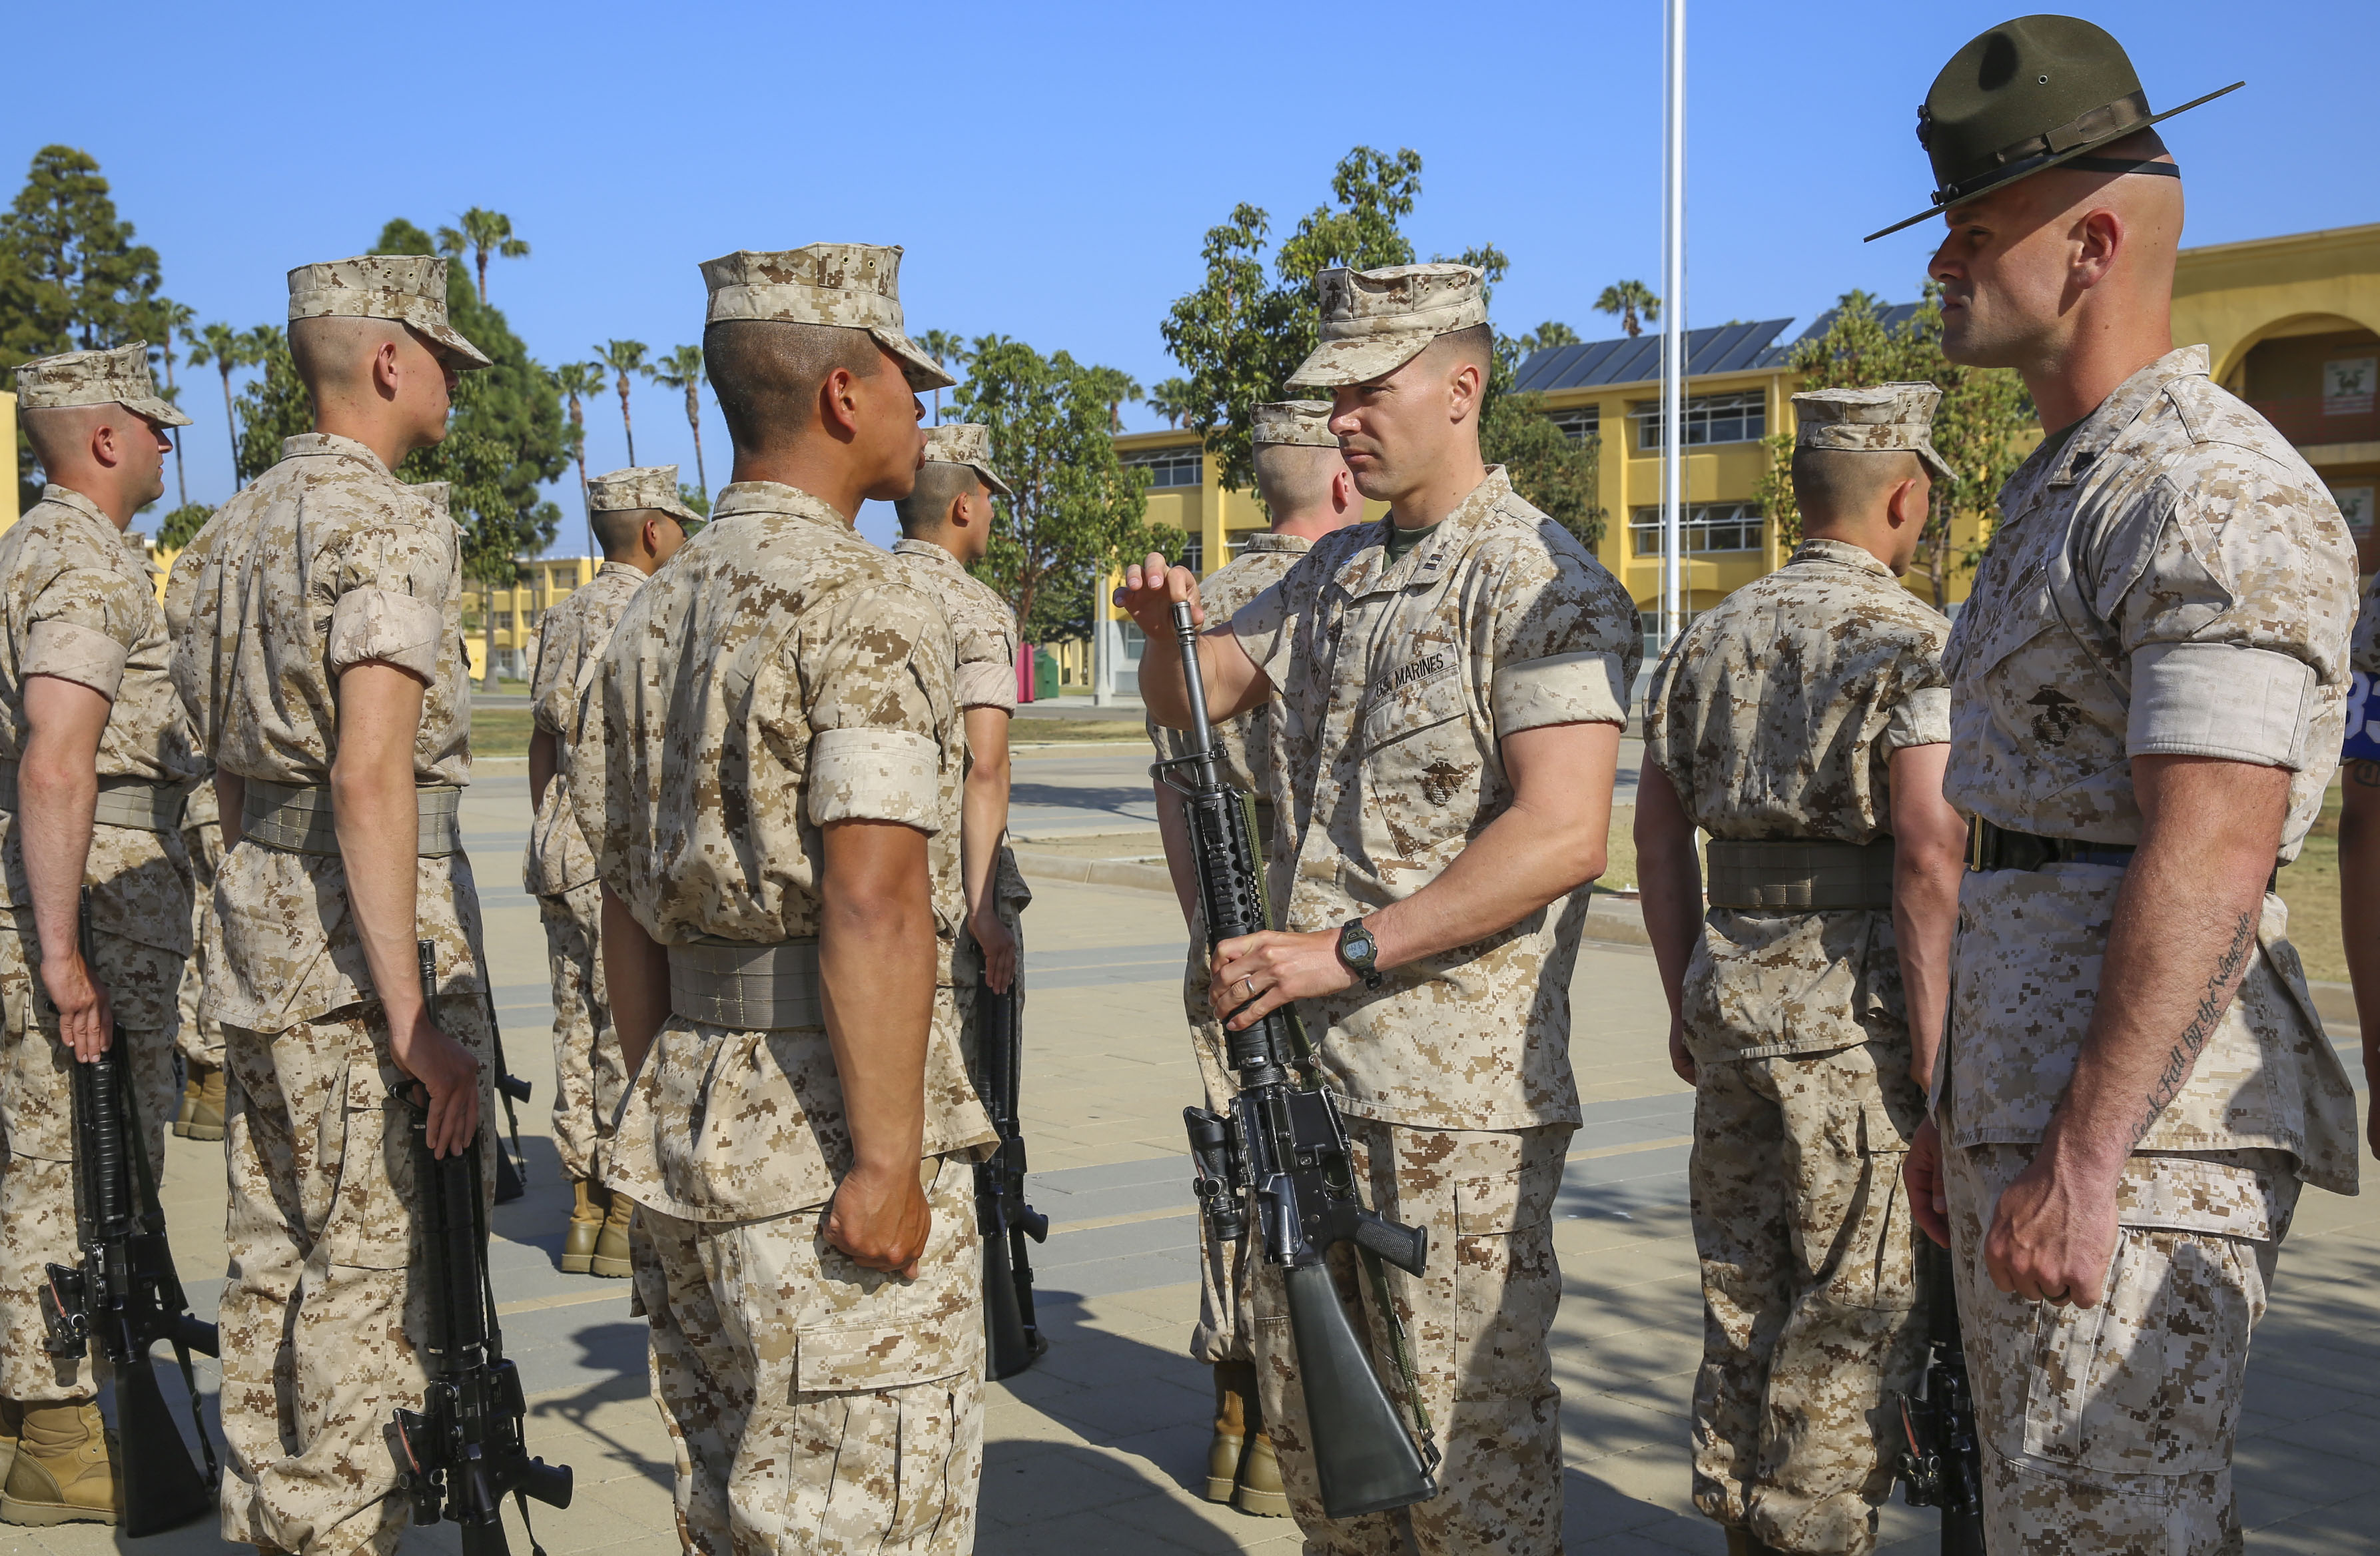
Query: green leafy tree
(625,357)
(1171,399)
(177,527)
(682,369)
(1633,302)
(273,407)
(71,276)
(228,350)
(699,500)
(1077,512)
(483,234)
(1980,428)
(949,354)
(1548,336)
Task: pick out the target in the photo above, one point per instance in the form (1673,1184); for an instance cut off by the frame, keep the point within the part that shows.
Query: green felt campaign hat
(2038,92)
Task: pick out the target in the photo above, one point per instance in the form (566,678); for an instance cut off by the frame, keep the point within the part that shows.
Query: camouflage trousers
(1477,1320)
(813,1406)
(2109,1429)
(1810,1319)
(1224,1268)
(590,1077)
(200,1041)
(321,1318)
(37,1142)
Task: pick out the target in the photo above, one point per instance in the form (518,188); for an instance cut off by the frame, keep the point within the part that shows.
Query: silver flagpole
(1673,318)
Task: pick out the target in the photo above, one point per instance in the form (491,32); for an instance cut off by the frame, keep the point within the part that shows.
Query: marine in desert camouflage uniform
(1802,723)
(200,1037)
(765,750)
(2147,691)
(94,753)
(2359,842)
(324,652)
(1452,682)
(1307,490)
(639,521)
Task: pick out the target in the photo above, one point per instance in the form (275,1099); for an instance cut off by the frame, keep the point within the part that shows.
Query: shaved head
(1836,487)
(109,453)
(925,513)
(1476,346)
(60,433)
(1295,479)
(767,374)
(337,353)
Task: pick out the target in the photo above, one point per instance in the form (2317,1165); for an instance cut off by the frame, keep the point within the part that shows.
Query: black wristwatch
(1360,952)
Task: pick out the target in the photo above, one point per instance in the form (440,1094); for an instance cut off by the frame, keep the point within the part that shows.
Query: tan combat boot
(12,1423)
(1260,1489)
(611,1260)
(206,1122)
(587,1203)
(1236,1389)
(64,1471)
(193,1075)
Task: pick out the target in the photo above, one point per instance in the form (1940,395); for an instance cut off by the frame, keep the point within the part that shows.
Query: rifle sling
(151,1211)
(1402,1354)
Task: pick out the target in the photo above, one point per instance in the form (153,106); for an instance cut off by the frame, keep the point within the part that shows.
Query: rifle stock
(126,1295)
(1004,1218)
(1280,1159)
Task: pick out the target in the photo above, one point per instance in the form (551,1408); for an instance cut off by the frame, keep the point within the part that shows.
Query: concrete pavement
(1094,1450)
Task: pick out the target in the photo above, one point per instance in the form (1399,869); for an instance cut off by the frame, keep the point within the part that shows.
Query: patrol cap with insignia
(853,285)
(1374,322)
(1296,422)
(640,486)
(1884,418)
(2038,92)
(408,288)
(96,378)
(969,443)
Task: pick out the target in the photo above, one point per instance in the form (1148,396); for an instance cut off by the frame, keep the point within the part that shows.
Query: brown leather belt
(1991,847)
(1799,874)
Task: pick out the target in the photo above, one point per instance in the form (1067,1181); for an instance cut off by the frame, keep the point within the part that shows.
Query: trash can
(1045,673)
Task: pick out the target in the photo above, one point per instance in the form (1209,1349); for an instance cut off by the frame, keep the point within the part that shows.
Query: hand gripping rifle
(1941,1462)
(127,1296)
(1002,1215)
(463,1449)
(1283,1153)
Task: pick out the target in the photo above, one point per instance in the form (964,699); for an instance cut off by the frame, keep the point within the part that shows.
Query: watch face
(1360,946)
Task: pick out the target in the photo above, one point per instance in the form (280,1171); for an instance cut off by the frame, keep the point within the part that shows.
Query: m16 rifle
(127,1296)
(463,1449)
(1282,1152)
(1002,1215)
(1941,1461)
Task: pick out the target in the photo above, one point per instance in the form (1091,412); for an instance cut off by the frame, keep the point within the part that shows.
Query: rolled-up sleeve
(2221,700)
(1922,718)
(1584,687)
(392,579)
(80,625)
(377,625)
(73,652)
(1565,642)
(1266,628)
(876,675)
(874,775)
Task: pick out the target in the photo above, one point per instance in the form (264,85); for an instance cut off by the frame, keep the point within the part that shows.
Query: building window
(1578,423)
(1703,526)
(1738,418)
(1167,466)
(1194,556)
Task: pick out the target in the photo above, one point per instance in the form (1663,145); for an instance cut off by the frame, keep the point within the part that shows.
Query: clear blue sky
(1051,168)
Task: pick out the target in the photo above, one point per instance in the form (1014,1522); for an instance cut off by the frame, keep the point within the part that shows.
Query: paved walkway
(1093,1450)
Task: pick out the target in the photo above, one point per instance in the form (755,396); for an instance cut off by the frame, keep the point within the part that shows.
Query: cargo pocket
(1854,1209)
(1506,1283)
(366,1149)
(901,1432)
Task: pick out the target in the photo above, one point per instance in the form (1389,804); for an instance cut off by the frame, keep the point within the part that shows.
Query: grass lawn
(1034,731)
(500,732)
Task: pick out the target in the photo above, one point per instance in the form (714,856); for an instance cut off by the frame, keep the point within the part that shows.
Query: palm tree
(483,232)
(682,369)
(1115,386)
(949,354)
(577,382)
(1171,399)
(229,350)
(625,357)
(1548,336)
(173,317)
(1632,300)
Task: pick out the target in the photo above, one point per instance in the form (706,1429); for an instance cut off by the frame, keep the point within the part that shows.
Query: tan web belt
(746,987)
(1790,875)
(123,802)
(297,818)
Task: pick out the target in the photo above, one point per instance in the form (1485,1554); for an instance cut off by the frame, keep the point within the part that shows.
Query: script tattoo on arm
(2220,987)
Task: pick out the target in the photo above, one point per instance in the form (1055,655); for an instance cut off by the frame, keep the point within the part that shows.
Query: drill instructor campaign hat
(1374,322)
(96,378)
(408,288)
(1886,417)
(850,285)
(2038,92)
(969,443)
(1304,422)
(641,486)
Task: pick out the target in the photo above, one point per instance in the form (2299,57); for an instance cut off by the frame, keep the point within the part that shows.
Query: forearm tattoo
(2211,1007)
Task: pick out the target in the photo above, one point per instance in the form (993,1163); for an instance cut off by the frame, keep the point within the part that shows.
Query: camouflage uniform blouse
(324,562)
(1397,684)
(1776,715)
(779,676)
(571,638)
(78,602)
(2170,580)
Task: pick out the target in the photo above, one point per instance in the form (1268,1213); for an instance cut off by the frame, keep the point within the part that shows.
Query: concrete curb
(1037,864)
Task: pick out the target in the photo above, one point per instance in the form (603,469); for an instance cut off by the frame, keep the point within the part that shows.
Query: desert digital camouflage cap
(639,486)
(439,494)
(853,285)
(408,288)
(969,443)
(1374,322)
(1296,422)
(1889,415)
(96,378)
